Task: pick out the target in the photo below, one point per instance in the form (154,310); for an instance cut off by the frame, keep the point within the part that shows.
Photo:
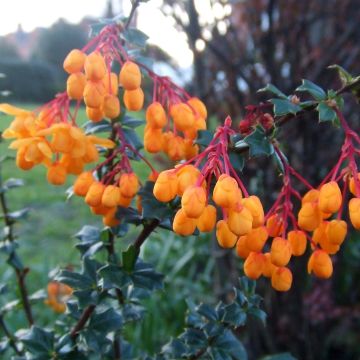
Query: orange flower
(330,198)
(280,251)
(254,265)
(207,220)
(74,61)
(134,99)
(225,237)
(156,116)
(130,76)
(256,238)
(320,263)
(297,239)
(95,67)
(182,224)
(281,279)
(193,201)
(166,185)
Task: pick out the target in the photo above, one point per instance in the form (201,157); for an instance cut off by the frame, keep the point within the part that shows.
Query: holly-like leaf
(97,127)
(132,138)
(345,77)
(274,90)
(204,137)
(228,343)
(237,161)
(131,122)
(135,37)
(13,183)
(326,113)
(145,276)
(129,258)
(315,90)
(113,276)
(39,342)
(207,311)
(106,321)
(284,107)
(259,314)
(259,143)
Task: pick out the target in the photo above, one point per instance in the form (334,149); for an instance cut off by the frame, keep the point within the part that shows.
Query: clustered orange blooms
(49,137)
(212,194)
(58,294)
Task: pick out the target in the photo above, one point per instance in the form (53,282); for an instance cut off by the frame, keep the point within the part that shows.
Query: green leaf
(106,321)
(13,183)
(237,161)
(38,341)
(259,143)
(95,29)
(135,37)
(97,127)
(326,113)
(19,214)
(274,90)
(131,122)
(284,107)
(204,137)
(74,280)
(207,311)
(316,91)
(88,234)
(259,314)
(129,258)
(228,343)
(144,276)
(234,315)
(345,77)
(132,138)
(113,276)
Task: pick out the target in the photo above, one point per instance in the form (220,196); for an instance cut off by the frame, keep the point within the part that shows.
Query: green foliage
(259,143)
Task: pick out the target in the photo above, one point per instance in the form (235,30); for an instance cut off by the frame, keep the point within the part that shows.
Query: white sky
(33,13)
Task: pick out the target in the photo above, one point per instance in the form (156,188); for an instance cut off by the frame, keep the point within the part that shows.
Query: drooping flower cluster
(50,137)
(58,295)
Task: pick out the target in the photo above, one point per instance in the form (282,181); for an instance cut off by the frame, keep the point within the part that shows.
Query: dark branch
(82,321)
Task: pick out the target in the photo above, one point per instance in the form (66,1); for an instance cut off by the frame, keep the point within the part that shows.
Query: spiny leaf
(315,90)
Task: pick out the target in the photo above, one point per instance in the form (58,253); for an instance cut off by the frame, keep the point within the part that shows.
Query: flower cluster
(50,137)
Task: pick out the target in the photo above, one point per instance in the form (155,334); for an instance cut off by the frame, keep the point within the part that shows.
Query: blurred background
(223,52)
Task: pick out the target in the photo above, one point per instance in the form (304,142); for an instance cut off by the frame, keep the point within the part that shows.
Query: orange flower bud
(75,86)
(111,106)
(198,106)
(280,251)
(281,279)
(309,216)
(320,236)
(352,186)
(156,116)
(311,196)
(193,201)
(74,166)
(226,192)
(94,195)
(330,198)
(134,99)
(112,88)
(83,183)
(269,267)
(95,67)
(74,61)
(110,219)
(183,116)
(240,220)
(253,204)
(56,174)
(274,225)
(297,239)
(94,94)
(354,212)
(241,248)
(165,187)
(254,265)
(256,238)
(130,76)
(124,201)
(100,210)
(182,224)
(336,231)
(111,196)
(207,220)
(321,264)
(190,149)
(225,237)
(187,176)
(129,185)
(152,140)
(95,114)
(175,148)
(21,162)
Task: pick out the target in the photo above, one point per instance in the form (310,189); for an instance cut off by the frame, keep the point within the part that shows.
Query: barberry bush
(101,300)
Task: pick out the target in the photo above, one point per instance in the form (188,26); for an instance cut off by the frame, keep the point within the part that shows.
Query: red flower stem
(299,177)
